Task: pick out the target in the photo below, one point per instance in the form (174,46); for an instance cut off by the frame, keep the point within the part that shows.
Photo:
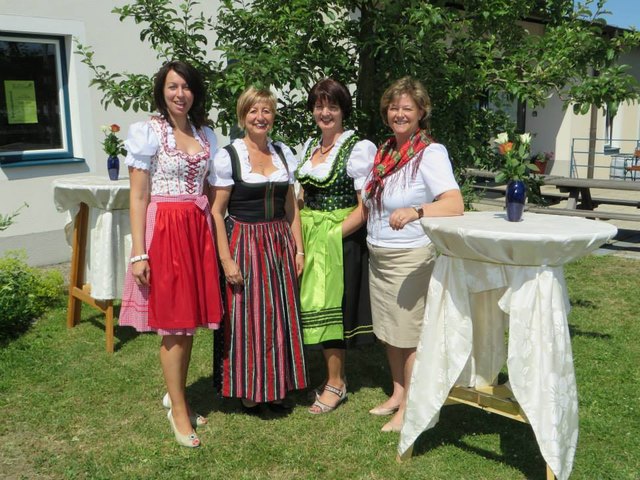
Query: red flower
(115,128)
(505,148)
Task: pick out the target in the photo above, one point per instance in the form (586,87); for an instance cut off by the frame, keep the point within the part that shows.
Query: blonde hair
(249,98)
(413,88)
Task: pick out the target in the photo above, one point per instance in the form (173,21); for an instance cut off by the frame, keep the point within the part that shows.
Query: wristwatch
(419,210)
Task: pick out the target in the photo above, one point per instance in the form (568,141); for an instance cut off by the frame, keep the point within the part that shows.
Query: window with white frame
(34,100)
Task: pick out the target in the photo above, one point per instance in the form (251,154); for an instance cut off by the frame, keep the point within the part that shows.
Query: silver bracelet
(300,253)
(139,258)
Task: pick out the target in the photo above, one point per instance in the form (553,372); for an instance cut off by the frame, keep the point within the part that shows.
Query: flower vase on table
(515,196)
(113,147)
(113,167)
(515,168)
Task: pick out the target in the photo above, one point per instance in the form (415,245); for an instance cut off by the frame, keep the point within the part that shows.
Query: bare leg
(334,359)
(408,359)
(396,358)
(175,353)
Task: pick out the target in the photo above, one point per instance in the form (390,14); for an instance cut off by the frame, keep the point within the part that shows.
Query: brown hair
(333,92)
(413,88)
(197,114)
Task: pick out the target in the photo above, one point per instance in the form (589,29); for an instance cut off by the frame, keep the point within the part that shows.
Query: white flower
(105,129)
(502,138)
(525,138)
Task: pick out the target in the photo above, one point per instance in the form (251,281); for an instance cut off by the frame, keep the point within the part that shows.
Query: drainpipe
(593,131)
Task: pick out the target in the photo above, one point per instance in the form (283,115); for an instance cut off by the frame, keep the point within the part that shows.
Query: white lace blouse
(359,163)
(221,174)
(151,146)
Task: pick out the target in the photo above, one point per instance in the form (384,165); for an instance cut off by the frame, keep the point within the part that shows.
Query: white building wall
(117,45)
(38,229)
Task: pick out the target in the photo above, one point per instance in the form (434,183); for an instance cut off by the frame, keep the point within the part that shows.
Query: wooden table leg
(405,456)
(496,399)
(78,291)
(108,324)
(78,252)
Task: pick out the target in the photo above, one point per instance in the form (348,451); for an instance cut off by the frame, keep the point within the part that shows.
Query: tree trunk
(366,100)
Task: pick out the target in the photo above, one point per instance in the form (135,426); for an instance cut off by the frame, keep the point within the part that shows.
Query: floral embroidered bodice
(174,172)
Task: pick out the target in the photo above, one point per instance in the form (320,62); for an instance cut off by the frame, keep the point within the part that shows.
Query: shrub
(25,293)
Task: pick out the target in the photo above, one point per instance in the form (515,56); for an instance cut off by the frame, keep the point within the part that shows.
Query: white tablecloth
(109,233)
(493,273)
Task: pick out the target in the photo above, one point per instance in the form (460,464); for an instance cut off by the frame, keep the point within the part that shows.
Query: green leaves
(7,220)
(468,54)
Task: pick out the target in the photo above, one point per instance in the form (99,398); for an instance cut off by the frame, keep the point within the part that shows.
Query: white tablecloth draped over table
(494,274)
(109,232)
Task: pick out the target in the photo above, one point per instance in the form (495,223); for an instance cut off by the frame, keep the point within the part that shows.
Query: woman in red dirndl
(172,284)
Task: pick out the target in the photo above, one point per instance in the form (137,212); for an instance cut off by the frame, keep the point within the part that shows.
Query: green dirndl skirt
(334,292)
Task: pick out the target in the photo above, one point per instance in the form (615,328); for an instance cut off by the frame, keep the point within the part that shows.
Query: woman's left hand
(299,264)
(401,216)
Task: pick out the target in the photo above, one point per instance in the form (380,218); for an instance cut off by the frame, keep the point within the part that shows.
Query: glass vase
(113,167)
(516,195)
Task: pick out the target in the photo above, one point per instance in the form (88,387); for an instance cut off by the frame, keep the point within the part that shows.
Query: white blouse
(359,163)
(434,177)
(221,174)
(151,146)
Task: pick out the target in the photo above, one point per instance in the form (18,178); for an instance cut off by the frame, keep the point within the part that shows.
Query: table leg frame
(496,399)
(78,291)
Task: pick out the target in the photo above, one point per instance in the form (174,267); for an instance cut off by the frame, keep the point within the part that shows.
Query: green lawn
(70,410)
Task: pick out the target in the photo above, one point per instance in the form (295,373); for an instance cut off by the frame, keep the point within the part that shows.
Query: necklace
(324,152)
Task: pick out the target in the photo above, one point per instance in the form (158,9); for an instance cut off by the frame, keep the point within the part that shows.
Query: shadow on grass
(583,303)
(576,332)
(205,400)
(460,422)
(122,335)
(367,367)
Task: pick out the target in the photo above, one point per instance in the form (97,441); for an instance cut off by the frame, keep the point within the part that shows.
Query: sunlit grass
(70,410)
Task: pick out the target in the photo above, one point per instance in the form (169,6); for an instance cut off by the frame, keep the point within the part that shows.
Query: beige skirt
(398,281)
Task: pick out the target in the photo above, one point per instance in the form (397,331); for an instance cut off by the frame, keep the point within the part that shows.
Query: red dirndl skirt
(258,352)
(184,286)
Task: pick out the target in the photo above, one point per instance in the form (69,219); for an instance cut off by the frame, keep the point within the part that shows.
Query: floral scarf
(389,160)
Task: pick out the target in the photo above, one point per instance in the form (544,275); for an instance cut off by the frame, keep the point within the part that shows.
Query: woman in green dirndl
(334,294)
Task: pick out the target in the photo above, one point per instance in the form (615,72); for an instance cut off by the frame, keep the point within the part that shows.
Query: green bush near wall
(25,294)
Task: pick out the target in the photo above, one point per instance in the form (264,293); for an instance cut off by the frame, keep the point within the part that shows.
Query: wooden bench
(577,192)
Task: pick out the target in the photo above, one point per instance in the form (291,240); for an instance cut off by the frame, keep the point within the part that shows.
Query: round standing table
(492,274)
(100,236)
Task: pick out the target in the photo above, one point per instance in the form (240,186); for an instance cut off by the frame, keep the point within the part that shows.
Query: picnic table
(580,201)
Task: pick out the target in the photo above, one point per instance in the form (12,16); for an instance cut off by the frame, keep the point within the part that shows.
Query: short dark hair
(333,92)
(197,113)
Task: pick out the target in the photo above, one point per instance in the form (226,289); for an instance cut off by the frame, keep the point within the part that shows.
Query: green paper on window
(21,101)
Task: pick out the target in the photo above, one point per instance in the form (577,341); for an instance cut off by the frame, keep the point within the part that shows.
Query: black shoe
(279,407)
(250,410)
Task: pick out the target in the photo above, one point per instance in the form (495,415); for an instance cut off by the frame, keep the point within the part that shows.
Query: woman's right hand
(141,272)
(232,272)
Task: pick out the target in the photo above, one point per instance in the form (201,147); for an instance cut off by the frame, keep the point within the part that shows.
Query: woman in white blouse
(258,352)
(172,284)
(411,178)
(334,291)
